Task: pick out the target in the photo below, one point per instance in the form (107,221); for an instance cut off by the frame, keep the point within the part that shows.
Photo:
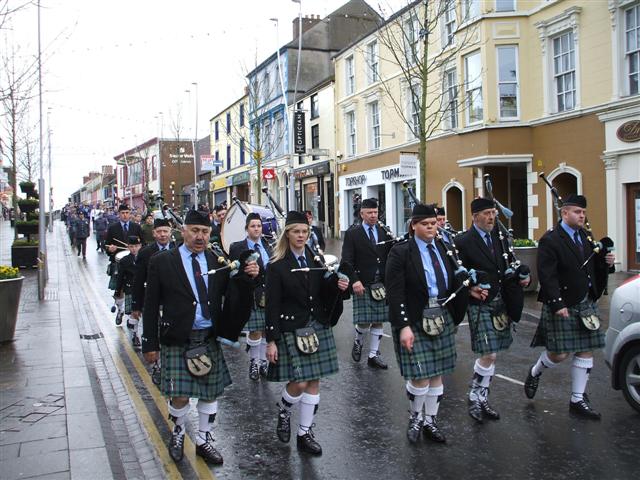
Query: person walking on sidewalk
(82,232)
(100,225)
(184,339)
(362,251)
(126,276)
(569,289)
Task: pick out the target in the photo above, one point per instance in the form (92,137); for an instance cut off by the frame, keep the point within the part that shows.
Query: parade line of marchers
(287,296)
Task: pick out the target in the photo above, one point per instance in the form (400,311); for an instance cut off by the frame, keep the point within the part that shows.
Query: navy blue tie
(437,268)
(200,286)
(576,238)
(302,261)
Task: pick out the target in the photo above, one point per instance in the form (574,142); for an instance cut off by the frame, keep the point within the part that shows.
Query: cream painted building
(531,87)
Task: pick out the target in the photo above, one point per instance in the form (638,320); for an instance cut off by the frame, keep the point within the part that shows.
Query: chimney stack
(308,21)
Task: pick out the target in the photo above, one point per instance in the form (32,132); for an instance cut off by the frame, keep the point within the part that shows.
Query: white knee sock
(374,342)
(287,401)
(132,324)
(254,349)
(432,403)
(179,416)
(263,349)
(359,334)
(120,304)
(481,379)
(417,397)
(206,416)
(580,369)
(542,364)
(308,408)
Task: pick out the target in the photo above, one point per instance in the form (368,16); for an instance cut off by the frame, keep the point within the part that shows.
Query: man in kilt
(302,306)
(116,239)
(126,278)
(420,278)
(361,251)
(569,289)
(192,314)
(481,248)
(256,340)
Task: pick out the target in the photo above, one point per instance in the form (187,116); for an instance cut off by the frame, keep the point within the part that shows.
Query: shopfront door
(633,226)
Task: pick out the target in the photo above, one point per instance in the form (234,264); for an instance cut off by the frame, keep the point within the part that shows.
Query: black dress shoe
(413,429)
(208,453)
(264,368)
(356,351)
(433,432)
(136,342)
(307,443)
(488,410)
(176,443)
(254,370)
(377,362)
(583,409)
(475,410)
(119,318)
(284,426)
(531,384)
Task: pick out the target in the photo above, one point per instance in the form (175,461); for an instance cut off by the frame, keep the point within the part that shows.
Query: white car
(622,342)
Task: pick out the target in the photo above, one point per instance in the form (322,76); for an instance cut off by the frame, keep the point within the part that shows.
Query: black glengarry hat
(440,211)
(133,240)
(123,206)
(161,222)
(479,204)
(574,200)
(369,203)
(296,217)
(194,217)
(251,216)
(219,208)
(421,210)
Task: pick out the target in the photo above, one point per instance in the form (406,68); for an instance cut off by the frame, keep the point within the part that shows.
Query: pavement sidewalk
(64,413)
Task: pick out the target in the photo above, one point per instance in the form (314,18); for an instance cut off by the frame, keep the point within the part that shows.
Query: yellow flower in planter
(7,272)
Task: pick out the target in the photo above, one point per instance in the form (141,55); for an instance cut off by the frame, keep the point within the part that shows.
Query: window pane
(507,63)
(505,5)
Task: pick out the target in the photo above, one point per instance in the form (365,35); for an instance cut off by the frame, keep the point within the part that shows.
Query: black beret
(123,206)
(369,203)
(133,240)
(479,204)
(296,217)
(251,216)
(194,217)
(161,222)
(219,208)
(421,210)
(574,200)
(440,211)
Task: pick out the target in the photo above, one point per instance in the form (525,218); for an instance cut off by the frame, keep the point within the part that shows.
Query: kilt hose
(368,310)
(567,335)
(176,381)
(431,356)
(294,366)
(484,338)
(256,320)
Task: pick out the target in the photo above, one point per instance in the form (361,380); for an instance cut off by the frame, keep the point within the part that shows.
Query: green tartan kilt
(299,367)
(431,356)
(128,300)
(176,381)
(368,310)
(484,338)
(113,282)
(566,335)
(256,320)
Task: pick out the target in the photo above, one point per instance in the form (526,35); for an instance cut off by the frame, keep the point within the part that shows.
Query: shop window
(353,197)
(403,206)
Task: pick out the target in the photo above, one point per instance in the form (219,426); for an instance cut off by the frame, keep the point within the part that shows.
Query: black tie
(576,238)
(372,239)
(487,238)
(125,227)
(442,286)
(302,261)
(200,286)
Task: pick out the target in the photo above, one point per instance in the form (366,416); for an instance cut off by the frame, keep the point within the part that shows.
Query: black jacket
(140,281)
(82,228)
(406,285)
(127,269)
(115,232)
(168,288)
(318,232)
(293,296)
(216,233)
(363,256)
(257,284)
(563,283)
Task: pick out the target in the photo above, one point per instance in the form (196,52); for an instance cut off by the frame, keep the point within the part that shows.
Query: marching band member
(480,248)
(419,278)
(569,289)
(256,339)
(126,276)
(360,249)
(442,223)
(316,239)
(301,309)
(185,337)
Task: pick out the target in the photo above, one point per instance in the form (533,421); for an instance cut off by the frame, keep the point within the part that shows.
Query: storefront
(239,186)
(385,184)
(314,192)
(219,189)
(621,159)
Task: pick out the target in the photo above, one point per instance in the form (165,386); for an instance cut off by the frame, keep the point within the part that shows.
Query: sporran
(307,340)
(198,360)
(433,321)
(378,292)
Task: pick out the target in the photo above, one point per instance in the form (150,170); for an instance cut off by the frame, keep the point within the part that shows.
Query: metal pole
(42,246)
(195,143)
(50,173)
(292,186)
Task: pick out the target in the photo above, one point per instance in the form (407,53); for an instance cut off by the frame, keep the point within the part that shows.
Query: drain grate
(91,336)
(50,294)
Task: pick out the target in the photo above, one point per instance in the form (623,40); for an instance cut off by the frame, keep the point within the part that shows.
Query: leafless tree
(421,44)
(28,161)
(7,10)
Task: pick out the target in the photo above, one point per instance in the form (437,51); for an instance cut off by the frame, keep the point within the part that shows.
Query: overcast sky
(112,67)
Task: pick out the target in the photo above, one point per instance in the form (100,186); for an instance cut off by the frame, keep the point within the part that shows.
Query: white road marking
(509,379)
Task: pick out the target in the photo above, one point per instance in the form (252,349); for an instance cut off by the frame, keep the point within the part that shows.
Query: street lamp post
(292,186)
(42,238)
(195,143)
(50,173)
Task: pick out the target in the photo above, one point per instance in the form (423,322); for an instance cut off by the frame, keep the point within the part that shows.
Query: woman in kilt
(569,289)
(302,306)
(126,276)
(420,278)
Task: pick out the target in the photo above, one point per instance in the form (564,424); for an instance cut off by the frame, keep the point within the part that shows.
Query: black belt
(200,335)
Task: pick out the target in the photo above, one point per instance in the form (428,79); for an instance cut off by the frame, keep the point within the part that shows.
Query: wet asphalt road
(362,420)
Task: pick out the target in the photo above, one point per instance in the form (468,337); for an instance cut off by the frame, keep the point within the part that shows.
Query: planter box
(27,189)
(9,301)
(24,257)
(529,256)
(27,229)
(27,206)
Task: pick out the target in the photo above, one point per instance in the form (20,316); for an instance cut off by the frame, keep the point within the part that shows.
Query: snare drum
(233,228)
(330,260)
(120,255)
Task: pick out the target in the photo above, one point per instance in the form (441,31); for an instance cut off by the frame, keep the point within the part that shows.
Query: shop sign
(629,131)
(268,173)
(356,181)
(208,163)
(218,183)
(408,165)
(300,144)
(391,173)
(313,171)
(239,178)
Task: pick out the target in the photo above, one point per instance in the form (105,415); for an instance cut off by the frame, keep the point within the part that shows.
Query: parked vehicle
(622,343)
